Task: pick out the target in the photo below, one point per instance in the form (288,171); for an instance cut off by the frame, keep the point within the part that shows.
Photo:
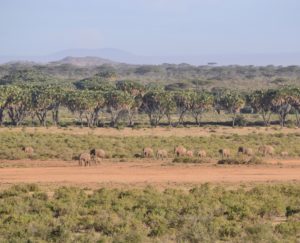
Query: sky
(150,27)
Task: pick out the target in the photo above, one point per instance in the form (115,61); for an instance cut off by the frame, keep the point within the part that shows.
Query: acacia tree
(170,106)
(131,87)
(158,103)
(118,102)
(282,104)
(58,95)
(19,104)
(43,101)
(295,102)
(136,90)
(218,94)
(84,103)
(4,99)
(232,102)
(284,101)
(261,102)
(200,103)
(101,81)
(183,104)
(99,105)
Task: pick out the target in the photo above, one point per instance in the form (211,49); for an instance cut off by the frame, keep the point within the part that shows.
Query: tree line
(127,99)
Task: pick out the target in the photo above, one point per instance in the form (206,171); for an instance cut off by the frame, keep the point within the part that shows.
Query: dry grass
(158,131)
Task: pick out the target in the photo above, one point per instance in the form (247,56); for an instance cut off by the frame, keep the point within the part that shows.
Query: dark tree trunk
(81,119)
(283,113)
(1,116)
(297,118)
(198,118)
(95,119)
(169,119)
(181,117)
(16,115)
(233,119)
(55,117)
(131,118)
(266,117)
(42,116)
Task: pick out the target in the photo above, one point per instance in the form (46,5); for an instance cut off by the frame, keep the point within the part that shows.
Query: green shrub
(241,121)
(241,161)
(190,160)
(204,214)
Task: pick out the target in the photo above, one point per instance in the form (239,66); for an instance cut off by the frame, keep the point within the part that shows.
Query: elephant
(202,153)
(97,154)
(266,150)
(85,159)
(162,154)
(180,151)
(245,151)
(148,152)
(224,153)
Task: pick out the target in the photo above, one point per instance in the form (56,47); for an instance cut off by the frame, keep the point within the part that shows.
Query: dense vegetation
(203,214)
(125,100)
(172,94)
(68,147)
(121,91)
(181,76)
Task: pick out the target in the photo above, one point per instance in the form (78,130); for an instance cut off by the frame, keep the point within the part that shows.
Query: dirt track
(152,173)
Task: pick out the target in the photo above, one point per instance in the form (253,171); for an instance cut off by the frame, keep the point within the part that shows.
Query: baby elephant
(147,152)
(85,159)
(284,154)
(162,154)
(202,153)
(28,150)
(225,153)
(189,153)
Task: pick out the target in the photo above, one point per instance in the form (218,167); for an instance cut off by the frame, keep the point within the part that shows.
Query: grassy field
(69,146)
(218,212)
(202,214)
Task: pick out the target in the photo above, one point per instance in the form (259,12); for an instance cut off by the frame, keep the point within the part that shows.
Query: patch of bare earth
(141,173)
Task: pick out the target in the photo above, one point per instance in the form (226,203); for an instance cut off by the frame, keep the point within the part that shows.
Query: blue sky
(150,27)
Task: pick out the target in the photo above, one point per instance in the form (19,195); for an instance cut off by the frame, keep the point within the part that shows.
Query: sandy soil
(159,131)
(151,172)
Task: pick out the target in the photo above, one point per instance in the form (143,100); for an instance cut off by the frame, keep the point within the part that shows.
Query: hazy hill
(117,55)
(83,61)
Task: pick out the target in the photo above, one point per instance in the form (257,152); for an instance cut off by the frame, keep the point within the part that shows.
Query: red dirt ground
(147,172)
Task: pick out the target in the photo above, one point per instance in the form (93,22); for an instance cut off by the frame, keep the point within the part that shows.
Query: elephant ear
(93,152)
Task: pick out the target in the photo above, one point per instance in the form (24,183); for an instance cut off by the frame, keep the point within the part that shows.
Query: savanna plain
(149,153)
(129,195)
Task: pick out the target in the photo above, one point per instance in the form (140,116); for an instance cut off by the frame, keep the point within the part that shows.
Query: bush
(241,121)
(190,160)
(241,161)
(203,214)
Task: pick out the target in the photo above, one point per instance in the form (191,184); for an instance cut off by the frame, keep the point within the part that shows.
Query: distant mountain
(83,61)
(117,55)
